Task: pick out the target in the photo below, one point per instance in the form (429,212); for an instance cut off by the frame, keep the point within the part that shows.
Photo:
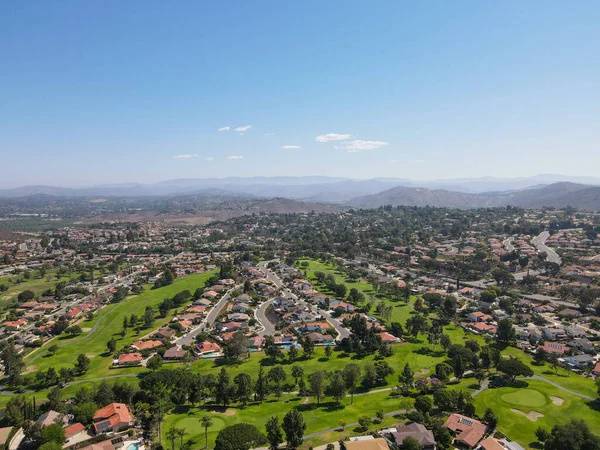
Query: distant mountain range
(530,192)
(559,195)
(314,188)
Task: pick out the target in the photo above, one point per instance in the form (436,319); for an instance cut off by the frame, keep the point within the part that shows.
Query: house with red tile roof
(466,431)
(146,345)
(74,430)
(129,359)
(553,347)
(388,338)
(113,417)
(207,347)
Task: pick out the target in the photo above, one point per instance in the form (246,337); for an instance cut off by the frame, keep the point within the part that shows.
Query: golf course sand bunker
(225,412)
(533,415)
(557,400)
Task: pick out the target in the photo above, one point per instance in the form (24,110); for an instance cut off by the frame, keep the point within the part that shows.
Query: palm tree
(172,435)
(181,433)
(206,422)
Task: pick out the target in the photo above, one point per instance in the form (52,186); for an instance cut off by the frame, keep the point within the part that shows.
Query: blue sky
(113,91)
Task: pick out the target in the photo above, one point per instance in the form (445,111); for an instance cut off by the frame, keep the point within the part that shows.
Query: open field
(107,324)
(534,396)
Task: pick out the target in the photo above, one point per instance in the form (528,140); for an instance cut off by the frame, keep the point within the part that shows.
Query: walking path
(558,386)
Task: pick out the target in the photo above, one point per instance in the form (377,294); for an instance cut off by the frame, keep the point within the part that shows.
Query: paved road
(212,315)
(268,329)
(540,243)
(285,292)
(508,244)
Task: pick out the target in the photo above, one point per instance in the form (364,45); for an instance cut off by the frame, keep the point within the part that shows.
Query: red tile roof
(468,431)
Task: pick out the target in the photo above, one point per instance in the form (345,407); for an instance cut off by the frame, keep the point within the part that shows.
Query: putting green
(525,397)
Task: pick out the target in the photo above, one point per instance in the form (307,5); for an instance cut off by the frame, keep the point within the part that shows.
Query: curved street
(540,244)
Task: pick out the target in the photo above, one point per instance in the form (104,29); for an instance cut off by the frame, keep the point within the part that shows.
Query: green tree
(53,433)
(364,422)
(351,375)
(277,375)
(490,418)
(316,381)
(293,426)
(514,368)
(206,422)
(15,410)
(243,387)
(423,404)
(242,436)
(274,435)
(111,345)
(83,363)
(575,435)
(410,443)
(154,363)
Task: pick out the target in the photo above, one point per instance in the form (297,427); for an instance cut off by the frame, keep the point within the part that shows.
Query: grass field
(400,311)
(35,284)
(107,324)
(317,417)
(534,396)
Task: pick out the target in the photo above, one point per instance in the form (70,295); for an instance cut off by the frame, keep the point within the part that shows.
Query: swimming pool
(133,446)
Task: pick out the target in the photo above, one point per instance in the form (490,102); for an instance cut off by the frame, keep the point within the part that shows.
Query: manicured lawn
(534,396)
(400,311)
(35,284)
(108,323)
(317,417)
(571,381)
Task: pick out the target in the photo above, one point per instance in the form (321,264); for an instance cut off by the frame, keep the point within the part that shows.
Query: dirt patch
(533,415)
(85,330)
(421,373)
(224,411)
(557,400)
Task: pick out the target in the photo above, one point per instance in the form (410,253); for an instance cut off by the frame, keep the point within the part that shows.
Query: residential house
(207,348)
(174,353)
(320,339)
(582,344)
(579,361)
(553,347)
(389,338)
(112,418)
(164,333)
(146,345)
(466,431)
(554,333)
(129,359)
(367,444)
(418,432)
(51,417)
(73,431)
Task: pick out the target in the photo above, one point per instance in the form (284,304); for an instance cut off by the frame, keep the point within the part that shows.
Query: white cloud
(244,128)
(210,158)
(269,134)
(360,145)
(224,129)
(185,156)
(332,137)
(235,157)
(290,147)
